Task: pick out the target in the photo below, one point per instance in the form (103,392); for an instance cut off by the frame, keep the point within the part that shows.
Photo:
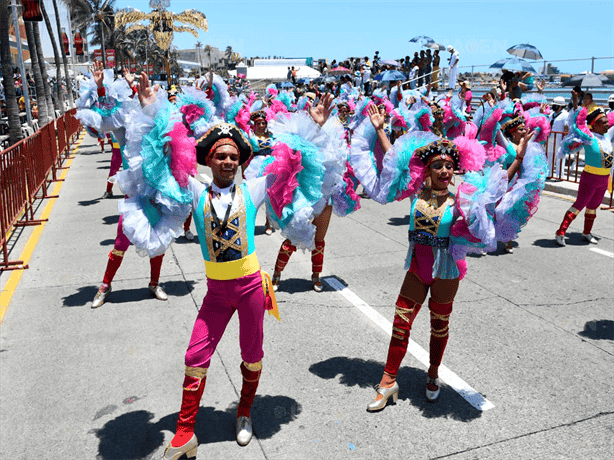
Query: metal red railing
(26,171)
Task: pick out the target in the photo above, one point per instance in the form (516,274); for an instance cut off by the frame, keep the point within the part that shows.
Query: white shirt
(561,120)
(366,76)
(257,189)
(454,58)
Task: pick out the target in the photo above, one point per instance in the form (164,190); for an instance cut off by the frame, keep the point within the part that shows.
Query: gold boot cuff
(197,372)
(591,211)
(253,366)
(118,253)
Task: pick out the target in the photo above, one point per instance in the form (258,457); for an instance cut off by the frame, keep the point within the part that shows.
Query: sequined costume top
(430,225)
(226,239)
(265,145)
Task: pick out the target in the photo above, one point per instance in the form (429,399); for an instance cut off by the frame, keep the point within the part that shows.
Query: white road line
(206,178)
(460,386)
(602,252)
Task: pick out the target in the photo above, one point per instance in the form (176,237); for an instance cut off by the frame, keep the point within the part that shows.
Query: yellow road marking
(11,285)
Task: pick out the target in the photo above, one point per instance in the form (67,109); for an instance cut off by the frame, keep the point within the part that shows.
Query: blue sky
(480,31)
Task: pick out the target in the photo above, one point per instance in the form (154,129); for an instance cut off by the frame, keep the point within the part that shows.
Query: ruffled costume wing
(579,135)
(107,113)
(303,161)
(523,194)
(161,153)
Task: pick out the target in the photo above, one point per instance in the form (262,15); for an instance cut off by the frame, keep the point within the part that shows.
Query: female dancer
(338,195)
(103,107)
(264,139)
(421,165)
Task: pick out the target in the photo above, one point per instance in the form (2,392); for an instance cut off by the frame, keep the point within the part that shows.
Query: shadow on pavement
(103,167)
(296,285)
(109,242)
(398,221)
(132,436)
(412,383)
(598,330)
(89,202)
(85,294)
(110,220)
(103,161)
(571,239)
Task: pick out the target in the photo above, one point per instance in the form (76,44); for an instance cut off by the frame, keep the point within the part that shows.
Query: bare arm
(377,120)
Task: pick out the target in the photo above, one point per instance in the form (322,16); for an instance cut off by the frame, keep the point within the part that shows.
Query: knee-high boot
(193,388)
(589,219)
(285,252)
(406,311)
(317,258)
(440,317)
(570,215)
(115,260)
(155,264)
(251,377)
(404,316)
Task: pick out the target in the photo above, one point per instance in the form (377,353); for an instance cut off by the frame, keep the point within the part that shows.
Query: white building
(275,70)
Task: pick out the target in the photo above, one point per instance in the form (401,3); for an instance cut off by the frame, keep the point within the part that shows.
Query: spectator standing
(453,73)
(366,79)
(428,59)
(558,122)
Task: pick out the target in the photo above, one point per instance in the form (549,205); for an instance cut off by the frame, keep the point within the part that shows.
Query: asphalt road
(531,332)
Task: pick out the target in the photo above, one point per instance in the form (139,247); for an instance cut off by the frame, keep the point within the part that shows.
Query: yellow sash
(234,269)
(597,171)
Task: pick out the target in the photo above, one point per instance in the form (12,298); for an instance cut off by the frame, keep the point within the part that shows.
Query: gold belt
(597,171)
(234,269)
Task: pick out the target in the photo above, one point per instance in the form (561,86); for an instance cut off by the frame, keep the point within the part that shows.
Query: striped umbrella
(525,51)
(516,64)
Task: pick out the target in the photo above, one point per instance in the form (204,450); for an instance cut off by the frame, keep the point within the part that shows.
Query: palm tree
(198,46)
(64,60)
(101,13)
(10,93)
(59,97)
(43,117)
(162,25)
(228,53)
(208,49)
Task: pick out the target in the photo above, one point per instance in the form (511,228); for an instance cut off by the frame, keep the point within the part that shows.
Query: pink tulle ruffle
(183,160)
(286,166)
(192,112)
(472,154)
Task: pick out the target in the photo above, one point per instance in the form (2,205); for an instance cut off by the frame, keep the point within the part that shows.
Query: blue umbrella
(304,80)
(422,38)
(390,75)
(525,51)
(286,84)
(517,64)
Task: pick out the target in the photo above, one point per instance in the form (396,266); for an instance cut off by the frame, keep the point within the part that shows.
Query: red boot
(440,317)
(155,264)
(317,262)
(404,316)
(251,378)
(193,388)
(589,219)
(567,220)
(285,252)
(388,387)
